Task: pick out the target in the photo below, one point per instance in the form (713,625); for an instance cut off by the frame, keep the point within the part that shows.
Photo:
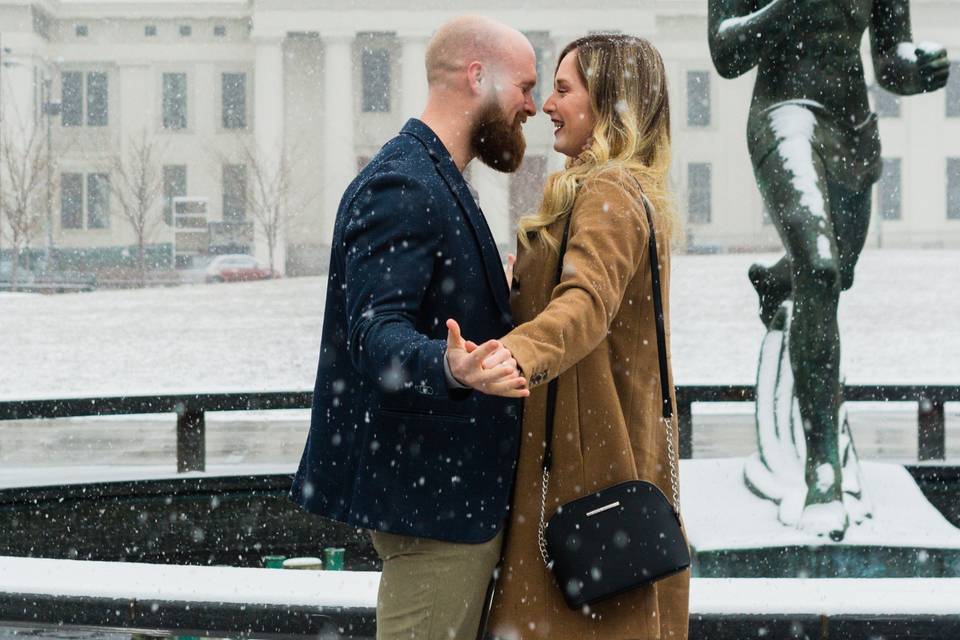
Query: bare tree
(26,164)
(268,198)
(137,184)
(267,195)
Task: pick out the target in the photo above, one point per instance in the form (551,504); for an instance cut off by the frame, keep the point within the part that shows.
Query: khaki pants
(432,590)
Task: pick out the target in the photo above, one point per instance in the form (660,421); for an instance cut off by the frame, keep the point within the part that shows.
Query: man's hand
(470,365)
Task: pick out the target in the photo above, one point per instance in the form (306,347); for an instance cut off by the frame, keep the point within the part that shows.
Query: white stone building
(323,83)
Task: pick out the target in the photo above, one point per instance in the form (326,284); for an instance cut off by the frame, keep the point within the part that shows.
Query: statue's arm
(739,32)
(901,65)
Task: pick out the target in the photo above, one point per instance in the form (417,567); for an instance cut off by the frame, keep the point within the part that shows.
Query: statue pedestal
(736,534)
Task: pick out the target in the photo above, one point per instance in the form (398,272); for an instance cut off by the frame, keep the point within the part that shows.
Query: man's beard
(498,143)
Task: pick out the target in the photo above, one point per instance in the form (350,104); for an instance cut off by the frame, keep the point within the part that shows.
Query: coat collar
(427,137)
(454,179)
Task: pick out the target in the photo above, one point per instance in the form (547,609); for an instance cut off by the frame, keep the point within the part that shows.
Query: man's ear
(475,76)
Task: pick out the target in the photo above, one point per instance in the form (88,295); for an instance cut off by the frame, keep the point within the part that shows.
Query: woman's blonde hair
(625,79)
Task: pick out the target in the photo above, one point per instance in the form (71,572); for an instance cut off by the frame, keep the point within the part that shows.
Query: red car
(236,268)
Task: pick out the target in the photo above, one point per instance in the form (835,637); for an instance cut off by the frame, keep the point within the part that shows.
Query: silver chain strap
(541,536)
(674,476)
(674,486)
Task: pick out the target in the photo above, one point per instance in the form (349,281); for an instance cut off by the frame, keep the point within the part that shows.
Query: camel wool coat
(596,331)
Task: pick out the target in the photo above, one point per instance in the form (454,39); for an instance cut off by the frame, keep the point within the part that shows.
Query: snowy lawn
(900,324)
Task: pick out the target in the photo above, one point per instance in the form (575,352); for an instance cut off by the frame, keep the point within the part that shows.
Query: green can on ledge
(273,562)
(333,558)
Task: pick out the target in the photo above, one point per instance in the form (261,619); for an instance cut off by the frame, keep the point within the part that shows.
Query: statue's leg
(773,285)
(851,218)
(793,183)
(851,221)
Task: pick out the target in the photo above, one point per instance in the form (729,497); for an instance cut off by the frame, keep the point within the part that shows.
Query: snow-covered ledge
(178,583)
(338,590)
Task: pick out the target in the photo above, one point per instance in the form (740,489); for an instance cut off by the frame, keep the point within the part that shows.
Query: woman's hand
(489,368)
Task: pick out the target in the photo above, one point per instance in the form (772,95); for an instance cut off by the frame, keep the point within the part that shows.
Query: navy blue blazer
(391,447)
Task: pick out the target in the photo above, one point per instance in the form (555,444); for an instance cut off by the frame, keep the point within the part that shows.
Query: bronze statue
(815,150)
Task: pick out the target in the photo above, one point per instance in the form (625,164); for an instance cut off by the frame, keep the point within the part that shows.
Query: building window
(537,93)
(71,114)
(953,188)
(886,104)
(174,101)
(888,190)
(698,98)
(174,186)
(72,100)
(234,91)
(82,30)
(186,30)
(71,201)
(699,180)
(98,201)
(234,193)
(953,91)
(150,30)
(541,48)
(219,30)
(526,188)
(376,80)
(97,99)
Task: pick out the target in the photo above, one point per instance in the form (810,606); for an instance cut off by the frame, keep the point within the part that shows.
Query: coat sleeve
(608,239)
(390,244)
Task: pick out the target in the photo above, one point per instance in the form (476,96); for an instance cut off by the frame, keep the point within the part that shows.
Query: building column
(340,158)
(268,118)
(494,190)
(22,65)
(413,73)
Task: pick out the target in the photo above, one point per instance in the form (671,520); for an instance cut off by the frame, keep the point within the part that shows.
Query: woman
(595,330)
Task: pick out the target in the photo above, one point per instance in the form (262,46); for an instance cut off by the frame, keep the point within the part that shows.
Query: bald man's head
(467,39)
(481,75)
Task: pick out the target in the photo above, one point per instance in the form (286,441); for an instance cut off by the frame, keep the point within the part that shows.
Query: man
(398,442)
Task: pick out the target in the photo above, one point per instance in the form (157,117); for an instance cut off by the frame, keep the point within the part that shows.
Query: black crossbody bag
(624,536)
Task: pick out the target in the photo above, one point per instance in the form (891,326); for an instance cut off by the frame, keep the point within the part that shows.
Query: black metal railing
(930,399)
(191,411)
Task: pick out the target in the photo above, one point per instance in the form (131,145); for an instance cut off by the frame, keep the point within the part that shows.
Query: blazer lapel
(481,231)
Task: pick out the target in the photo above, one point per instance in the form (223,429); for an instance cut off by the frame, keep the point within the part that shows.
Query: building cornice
(128,9)
(330,21)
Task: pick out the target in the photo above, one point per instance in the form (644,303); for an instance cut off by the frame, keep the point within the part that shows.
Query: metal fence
(191,411)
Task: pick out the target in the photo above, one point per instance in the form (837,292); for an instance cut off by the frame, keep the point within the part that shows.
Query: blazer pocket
(424,414)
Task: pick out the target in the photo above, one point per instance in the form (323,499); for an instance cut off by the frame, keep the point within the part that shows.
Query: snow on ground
(899,325)
(258,336)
